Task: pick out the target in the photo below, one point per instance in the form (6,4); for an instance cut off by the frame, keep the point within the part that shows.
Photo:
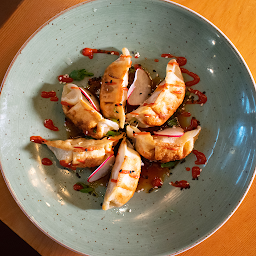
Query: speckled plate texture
(168,220)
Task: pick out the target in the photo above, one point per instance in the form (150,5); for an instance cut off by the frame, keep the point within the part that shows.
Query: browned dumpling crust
(164,101)
(124,177)
(81,153)
(113,93)
(81,112)
(161,148)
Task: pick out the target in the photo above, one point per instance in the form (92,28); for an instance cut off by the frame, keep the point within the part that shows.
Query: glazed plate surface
(165,221)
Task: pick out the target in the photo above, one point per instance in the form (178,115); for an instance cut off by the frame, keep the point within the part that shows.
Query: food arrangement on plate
(130,124)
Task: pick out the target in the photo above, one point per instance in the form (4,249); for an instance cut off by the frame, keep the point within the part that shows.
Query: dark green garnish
(89,137)
(79,75)
(85,188)
(173,121)
(113,133)
(115,120)
(169,164)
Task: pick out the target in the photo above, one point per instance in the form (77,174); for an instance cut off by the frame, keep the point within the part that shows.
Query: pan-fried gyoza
(164,101)
(124,177)
(84,110)
(113,93)
(83,113)
(163,148)
(82,152)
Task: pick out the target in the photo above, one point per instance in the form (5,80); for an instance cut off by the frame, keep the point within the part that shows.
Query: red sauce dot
(67,165)
(187,169)
(48,123)
(195,172)
(202,98)
(46,161)
(157,182)
(77,187)
(55,98)
(193,125)
(181,184)
(201,158)
(167,55)
(65,79)
(181,61)
(37,139)
(89,52)
(156,60)
(49,94)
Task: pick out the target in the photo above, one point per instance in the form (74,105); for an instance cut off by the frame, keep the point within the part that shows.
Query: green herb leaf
(112,133)
(173,121)
(169,164)
(86,190)
(79,75)
(114,120)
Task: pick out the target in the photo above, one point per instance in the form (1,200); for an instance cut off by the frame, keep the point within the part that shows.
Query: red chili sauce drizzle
(201,159)
(195,172)
(152,176)
(181,184)
(193,125)
(89,52)
(67,165)
(48,123)
(77,187)
(37,139)
(185,114)
(180,60)
(46,161)
(51,95)
(65,79)
(201,97)
(195,77)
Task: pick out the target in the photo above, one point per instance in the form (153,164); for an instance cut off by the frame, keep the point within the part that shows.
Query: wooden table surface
(236,18)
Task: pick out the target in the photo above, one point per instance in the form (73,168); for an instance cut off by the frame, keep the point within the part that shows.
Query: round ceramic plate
(168,220)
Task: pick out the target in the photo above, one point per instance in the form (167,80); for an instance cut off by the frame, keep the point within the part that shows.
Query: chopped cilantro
(79,75)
